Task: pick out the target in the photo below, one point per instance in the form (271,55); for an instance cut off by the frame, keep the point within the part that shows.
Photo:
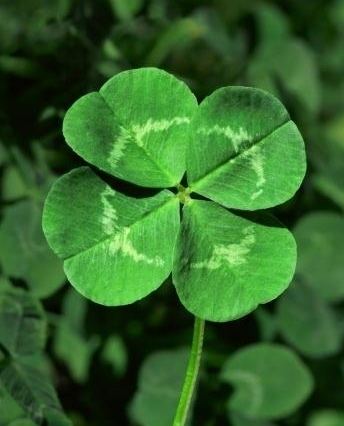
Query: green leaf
(3,150)
(74,310)
(319,237)
(79,359)
(13,186)
(328,158)
(125,10)
(227,264)
(160,383)
(9,409)
(337,14)
(56,418)
(240,420)
(214,31)
(22,322)
(32,25)
(24,252)
(180,34)
(116,249)
(22,371)
(330,184)
(70,334)
(273,24)
(9,29)
(19,66)
(266,323)
(11,414)
(270,381)
(27,178)
(23,422)
(28,384)
(295,72)
(320,334)
(326,418)
(4,283)
(115,354)
(240,138)
(298,72)
(135,127)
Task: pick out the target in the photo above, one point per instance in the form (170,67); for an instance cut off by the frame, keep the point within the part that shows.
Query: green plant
(259,374)
(240,150)
(25,386)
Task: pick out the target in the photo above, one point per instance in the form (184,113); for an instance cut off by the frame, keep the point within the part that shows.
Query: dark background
(52,52)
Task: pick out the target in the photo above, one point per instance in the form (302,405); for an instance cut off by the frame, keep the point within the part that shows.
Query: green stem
(191,374)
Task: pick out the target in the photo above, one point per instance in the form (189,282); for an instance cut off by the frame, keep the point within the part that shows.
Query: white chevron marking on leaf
(109,216)
(233,254)
(136,135)
(121,243)
(256,160)
(237,137)
(119,146)
(141,130)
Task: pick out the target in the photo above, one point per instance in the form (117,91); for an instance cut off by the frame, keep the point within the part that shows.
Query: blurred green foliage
(102,361)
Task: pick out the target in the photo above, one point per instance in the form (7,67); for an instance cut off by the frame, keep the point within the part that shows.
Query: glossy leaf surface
(135,127)
(240,138)
(227,264)
(122,256)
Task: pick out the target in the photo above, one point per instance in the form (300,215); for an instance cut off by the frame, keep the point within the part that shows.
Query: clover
(240,152)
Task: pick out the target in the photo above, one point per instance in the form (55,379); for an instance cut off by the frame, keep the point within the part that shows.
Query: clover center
(183,194)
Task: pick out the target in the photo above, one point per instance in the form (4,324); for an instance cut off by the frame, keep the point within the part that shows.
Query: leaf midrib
(19,369)
(148,154)
(193,186)
(109,237)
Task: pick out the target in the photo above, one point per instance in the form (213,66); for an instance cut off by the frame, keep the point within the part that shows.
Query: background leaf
(115,354)
(23,375)
(159,387)
(318,236)
(70,334)
(270,381)
(326,418)
(320,334)
(54,52)
(24,251)
(22,322)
